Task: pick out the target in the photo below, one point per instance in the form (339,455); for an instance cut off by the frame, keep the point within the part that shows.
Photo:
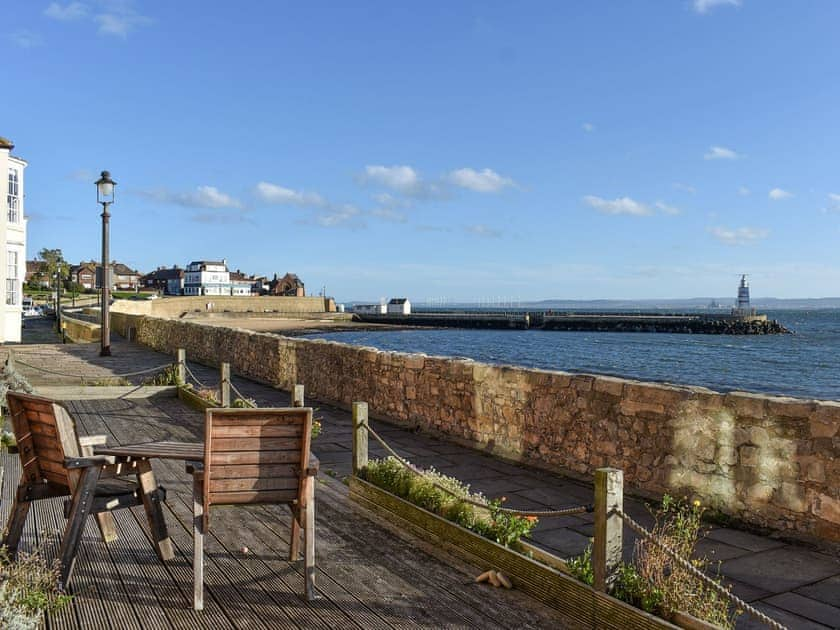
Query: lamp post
(105,195)
(58,297)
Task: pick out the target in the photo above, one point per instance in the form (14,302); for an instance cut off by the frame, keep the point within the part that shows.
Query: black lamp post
(58,298)
(105,195)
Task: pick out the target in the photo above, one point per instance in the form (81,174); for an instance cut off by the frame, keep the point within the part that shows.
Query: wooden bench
(56,462)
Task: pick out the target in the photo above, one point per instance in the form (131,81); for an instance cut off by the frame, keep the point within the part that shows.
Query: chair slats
(256,484)
(253,457)
(267,496)
(258,430)
(256,471)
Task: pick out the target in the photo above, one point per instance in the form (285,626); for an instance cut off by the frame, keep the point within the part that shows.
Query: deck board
(369,576)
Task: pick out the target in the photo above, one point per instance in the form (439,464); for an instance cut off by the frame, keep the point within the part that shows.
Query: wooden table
(187,451)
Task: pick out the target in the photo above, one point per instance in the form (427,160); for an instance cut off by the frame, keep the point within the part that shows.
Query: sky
(443,151)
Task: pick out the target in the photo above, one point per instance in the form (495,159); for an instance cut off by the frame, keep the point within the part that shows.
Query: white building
(207,277)
(399,306)
(13,240)
(370,309)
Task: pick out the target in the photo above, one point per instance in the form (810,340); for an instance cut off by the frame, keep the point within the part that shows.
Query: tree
(53,260)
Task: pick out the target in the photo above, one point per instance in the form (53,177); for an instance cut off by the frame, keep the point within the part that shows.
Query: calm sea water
(805,364)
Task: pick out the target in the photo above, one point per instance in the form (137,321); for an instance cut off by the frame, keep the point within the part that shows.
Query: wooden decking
(369,576)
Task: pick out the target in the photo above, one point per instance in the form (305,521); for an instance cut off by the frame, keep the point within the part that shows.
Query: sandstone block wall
(768,461)
(175,306)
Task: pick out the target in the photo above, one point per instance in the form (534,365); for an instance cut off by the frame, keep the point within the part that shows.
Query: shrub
(657,584)
(451,499)
(169,376)
(28,587)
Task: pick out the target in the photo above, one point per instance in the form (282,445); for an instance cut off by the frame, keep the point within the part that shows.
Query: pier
(685,323)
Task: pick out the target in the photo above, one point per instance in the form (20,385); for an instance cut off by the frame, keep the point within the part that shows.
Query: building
(13,240)
(36,272)
(370,309)
(207,277)
(123,278)
(399,306)
(240,284)
(288,285)
(165,281)
(84,274)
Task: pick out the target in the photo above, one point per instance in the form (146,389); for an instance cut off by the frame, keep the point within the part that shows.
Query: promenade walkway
(797,585)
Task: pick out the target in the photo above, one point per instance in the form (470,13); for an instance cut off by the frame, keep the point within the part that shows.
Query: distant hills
(700,303)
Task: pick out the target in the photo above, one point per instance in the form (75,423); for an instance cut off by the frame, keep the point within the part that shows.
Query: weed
(113,381)
(169,376)
(244,403)
(28,587)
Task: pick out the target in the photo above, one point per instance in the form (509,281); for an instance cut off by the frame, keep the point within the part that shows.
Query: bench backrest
(45,435)
(255,455)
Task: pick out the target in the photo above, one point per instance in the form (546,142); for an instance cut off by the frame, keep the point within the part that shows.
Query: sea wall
(80,331)
(177,306)
(767,461)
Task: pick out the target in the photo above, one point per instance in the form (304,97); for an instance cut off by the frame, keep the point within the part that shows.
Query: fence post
(224,385)
(182,366)
(606,550)
(360,436)
(297,396)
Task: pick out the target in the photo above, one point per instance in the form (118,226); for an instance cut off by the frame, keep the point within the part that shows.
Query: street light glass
(105,188)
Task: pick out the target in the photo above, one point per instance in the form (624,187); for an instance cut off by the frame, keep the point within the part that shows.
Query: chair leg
(79,510)
(107,526)
(14,527)
(308,517)
(294,540)
(198,542)
(154,513)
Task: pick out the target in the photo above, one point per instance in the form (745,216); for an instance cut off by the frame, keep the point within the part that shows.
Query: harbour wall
(766,461)
(679,323)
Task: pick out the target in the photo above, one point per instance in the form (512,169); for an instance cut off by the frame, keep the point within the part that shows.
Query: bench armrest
(85,462)
(87,442)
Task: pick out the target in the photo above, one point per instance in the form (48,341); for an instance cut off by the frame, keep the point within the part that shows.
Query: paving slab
(807,607)
(788,619)
(746,540)
(827,591)
(782,569)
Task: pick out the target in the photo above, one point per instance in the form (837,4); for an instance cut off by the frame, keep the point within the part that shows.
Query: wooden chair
(56,462)
(257,456)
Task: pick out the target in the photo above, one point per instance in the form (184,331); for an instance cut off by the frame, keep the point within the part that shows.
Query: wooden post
(360,436)
(225,385)
(182,366)
(297,396)
(606,551)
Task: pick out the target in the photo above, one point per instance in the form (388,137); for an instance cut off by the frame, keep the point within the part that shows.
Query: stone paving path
(794,584)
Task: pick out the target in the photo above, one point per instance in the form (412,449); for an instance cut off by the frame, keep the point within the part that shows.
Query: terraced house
(13,239)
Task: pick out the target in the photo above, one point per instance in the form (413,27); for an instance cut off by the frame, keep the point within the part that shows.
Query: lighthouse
(743,304)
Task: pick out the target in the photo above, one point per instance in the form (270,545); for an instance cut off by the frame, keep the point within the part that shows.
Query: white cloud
(70,11)
(119,18)
(486,181)
(704,6)
(744,191)
(778,194)
(588,127)
(739,236)
(621,205)
(666,209)
(684,187)
(340,216)
(208,197)
(720,153)
(403,179)
(833,204)
(483,231)
(25,39)
(279,195)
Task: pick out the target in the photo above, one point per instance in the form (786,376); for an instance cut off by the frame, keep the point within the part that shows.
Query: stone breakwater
(767,461)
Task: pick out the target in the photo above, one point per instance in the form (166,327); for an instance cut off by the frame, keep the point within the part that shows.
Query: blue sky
(439,150)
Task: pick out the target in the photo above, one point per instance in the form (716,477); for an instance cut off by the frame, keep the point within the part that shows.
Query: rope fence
(697,573)
(194,377)
(245,400)
(581,509)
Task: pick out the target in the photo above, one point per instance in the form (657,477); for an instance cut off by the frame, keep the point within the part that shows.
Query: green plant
(207,393)
(113,381)
(316,428)
(656,583)
(28,587)
(450,498)
(7,439)
(581,566)
(169,376)
(244,403)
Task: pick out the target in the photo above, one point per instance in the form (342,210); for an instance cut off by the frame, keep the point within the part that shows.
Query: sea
(804,364)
